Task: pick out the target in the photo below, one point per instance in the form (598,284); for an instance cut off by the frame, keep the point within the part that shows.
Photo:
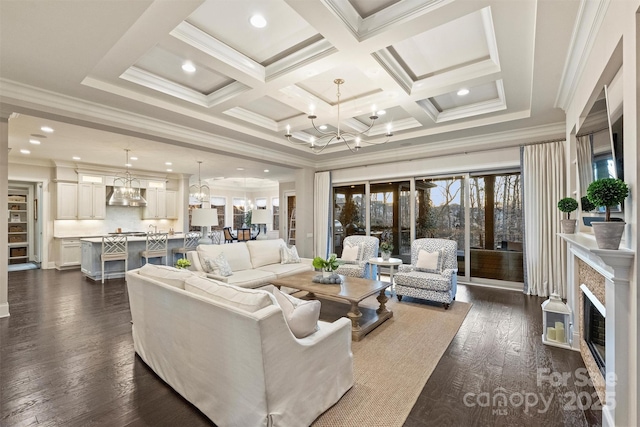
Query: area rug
(393,363)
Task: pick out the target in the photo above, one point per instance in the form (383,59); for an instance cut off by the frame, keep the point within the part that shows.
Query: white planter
(385,255)
(568,226)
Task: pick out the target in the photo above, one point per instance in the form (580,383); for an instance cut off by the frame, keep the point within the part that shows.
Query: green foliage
(568,205)
(183,263)
(331,263)
(607,192)
(350,213)
(386,246)
(586,204)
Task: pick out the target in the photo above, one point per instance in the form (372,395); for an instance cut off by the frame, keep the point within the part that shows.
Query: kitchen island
(91,266)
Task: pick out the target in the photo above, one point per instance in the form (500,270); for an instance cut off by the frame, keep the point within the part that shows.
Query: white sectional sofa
(254,263)
(232,354)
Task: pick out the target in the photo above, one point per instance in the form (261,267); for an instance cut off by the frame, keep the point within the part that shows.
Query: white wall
(617,39)
(230,194)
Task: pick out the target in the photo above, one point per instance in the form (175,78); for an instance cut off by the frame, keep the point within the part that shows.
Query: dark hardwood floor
(67,359)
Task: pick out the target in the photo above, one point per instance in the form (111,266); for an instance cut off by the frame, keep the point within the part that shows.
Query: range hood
(126,190)
(126,196)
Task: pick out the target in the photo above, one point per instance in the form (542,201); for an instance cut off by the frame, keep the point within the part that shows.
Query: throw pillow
(301,316)
(351,253)
(429,262)
(218,265)
(289,255)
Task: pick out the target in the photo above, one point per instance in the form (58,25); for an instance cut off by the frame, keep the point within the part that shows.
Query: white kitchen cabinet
(92,201)
(156,204)
(69,253)
(172,204)
(66,200)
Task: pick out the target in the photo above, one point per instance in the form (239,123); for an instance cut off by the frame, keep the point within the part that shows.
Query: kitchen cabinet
(18,235)
(172,204)
(66,200)
(156,204)
(92,201)
(69,253)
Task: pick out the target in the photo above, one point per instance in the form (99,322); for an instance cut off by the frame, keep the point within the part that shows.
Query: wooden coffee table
(353,290)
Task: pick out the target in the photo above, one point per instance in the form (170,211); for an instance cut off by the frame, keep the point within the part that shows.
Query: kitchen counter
(91,265)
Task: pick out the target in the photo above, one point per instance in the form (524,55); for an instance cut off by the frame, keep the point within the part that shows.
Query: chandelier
(199,193)
(126,189)
(352,140)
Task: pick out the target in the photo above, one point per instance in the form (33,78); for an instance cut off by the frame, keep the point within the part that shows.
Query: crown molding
(28,97)
(588,22)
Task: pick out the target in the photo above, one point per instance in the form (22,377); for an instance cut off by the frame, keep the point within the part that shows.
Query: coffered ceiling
(117,67)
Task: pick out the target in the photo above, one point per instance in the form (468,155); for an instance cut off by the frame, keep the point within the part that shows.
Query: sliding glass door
(348,213)
(390,205)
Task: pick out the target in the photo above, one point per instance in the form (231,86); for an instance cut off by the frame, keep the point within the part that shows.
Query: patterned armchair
(434,283)
(369,250)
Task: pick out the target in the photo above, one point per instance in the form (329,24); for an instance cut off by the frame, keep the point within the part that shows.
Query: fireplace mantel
(614,265)
(616,268)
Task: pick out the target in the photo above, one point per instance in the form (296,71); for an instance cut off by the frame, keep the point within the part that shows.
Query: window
(275,209)
(391,215)
(219,203)
(239,212)
(440,212)
(349,214)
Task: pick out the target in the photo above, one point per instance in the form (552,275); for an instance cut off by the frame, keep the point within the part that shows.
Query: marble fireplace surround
(587,262)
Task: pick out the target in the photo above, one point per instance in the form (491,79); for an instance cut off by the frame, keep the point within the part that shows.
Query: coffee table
(352,290)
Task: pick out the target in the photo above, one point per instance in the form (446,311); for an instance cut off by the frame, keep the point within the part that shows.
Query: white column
(4,193)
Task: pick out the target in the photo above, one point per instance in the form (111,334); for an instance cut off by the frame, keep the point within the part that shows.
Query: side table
(391,263)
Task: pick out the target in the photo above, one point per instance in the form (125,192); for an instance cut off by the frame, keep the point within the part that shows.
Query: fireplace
(594,327)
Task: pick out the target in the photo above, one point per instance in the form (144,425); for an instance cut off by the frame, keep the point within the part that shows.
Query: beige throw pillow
(289,255)
(429,262)
(351,253)
(301,315)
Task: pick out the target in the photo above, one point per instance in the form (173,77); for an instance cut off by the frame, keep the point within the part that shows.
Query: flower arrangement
(183,263)
(329,264)
(386,246)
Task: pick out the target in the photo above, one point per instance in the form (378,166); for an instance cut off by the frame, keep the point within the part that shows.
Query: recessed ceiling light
(239,169)
(323,127)
(463,92)
(266,170)
(381,112)
(133,158)
(169,170)
(188,67)
(128,165)
(258,21)
(168,163)
(34,141)
(23,151)
(46,129)
(76,158)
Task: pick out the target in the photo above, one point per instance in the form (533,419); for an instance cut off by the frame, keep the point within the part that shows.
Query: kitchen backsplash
(128,219)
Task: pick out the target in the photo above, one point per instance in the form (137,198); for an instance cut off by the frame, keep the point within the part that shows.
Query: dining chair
(228,237)
(244,234)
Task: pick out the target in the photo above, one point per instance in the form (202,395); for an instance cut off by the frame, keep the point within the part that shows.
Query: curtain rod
(548,141)
(579,135)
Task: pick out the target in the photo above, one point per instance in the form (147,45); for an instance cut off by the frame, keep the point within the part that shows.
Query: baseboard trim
(4,310)
(509,286)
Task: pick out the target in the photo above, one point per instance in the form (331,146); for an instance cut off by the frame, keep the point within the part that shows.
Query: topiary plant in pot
(608,192)
(568,205)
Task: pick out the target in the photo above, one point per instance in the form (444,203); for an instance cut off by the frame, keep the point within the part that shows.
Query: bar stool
(190,243)
(114,248)
(156,247)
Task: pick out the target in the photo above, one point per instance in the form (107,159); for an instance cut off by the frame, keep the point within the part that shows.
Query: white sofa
(240,368)
(254,263)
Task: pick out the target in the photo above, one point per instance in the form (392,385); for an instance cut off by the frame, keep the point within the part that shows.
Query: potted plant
(327,266)
(608,192)
(183,263)
(385,249)
(568,205)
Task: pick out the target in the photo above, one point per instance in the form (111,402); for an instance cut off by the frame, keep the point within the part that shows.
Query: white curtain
(585,162)
(321,235)
(544,178)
